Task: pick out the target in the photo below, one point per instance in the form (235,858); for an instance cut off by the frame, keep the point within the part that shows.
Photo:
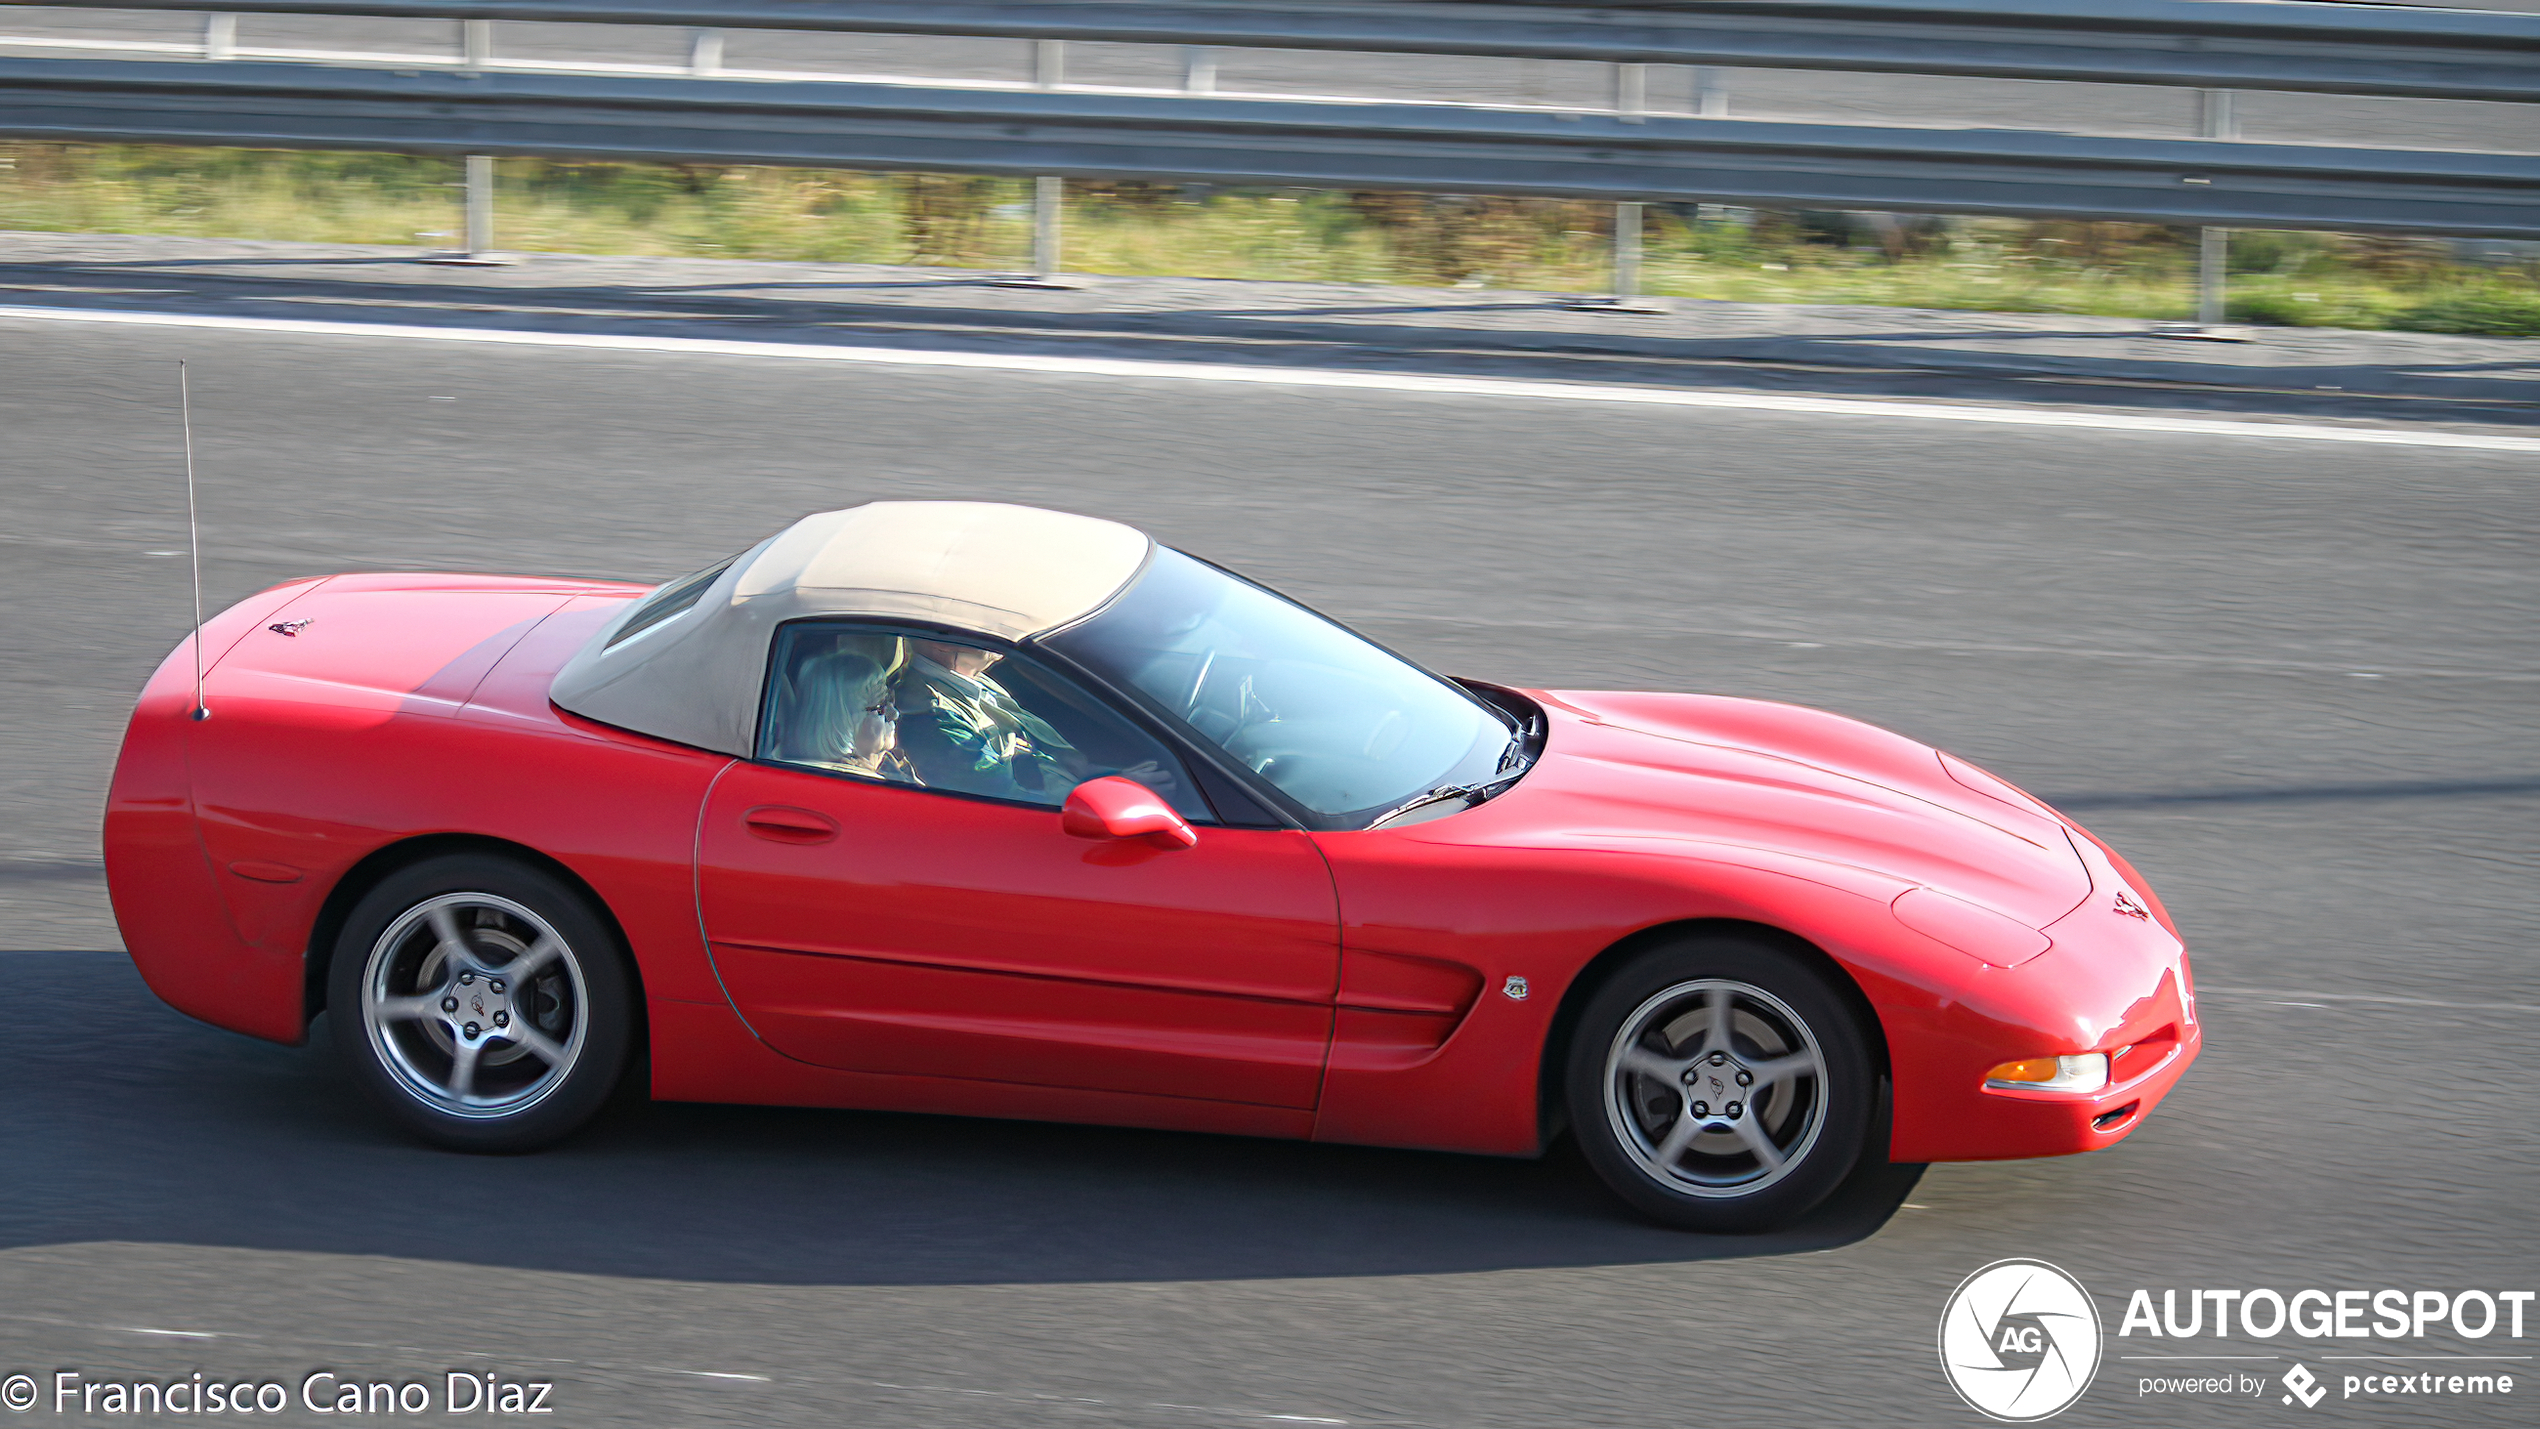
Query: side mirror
(1115,808)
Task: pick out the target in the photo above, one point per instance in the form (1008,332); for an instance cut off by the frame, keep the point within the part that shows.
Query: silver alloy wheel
(1715,1088)
(475,1005)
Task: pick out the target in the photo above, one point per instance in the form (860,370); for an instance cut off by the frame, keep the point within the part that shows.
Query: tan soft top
(1005,571)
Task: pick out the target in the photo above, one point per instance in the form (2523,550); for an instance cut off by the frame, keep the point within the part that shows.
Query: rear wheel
(482,1003)
(1718,1083)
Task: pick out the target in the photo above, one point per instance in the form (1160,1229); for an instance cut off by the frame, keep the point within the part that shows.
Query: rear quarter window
(667,603)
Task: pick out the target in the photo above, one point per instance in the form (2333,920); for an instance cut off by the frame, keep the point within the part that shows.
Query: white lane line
(1493,387)
(2327,1001)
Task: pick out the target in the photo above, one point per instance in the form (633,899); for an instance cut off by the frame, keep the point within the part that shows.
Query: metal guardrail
(2215,44)
(1198,138)
(475,105)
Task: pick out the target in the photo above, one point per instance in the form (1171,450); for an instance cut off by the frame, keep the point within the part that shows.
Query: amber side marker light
(2085,1073)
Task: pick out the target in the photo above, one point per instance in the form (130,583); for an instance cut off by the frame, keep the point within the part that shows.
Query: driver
(962,730)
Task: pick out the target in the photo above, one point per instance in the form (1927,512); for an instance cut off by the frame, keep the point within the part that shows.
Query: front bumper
(2111,983)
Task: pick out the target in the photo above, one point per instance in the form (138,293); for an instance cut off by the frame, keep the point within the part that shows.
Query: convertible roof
(1006,571)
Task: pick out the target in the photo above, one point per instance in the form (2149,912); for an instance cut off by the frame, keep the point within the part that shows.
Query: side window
(833,704)
(940,714)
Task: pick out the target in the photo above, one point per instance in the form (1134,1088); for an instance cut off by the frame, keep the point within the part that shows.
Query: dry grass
(2117,270)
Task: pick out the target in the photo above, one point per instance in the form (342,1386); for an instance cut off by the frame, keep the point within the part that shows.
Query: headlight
(2085,1073)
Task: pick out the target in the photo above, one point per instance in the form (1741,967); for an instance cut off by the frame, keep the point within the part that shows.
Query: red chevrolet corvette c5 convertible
(967,808)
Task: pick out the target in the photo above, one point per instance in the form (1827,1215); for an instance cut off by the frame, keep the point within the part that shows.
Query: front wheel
(1718,1083)
(481,1003)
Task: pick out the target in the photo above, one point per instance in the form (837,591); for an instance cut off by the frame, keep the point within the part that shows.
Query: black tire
(544,1035)
(1673,1131)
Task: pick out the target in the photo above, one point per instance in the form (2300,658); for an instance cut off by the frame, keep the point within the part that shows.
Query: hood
(1797,781)
(388,642)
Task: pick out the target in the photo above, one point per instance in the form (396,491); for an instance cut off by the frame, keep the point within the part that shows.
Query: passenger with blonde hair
(842,713)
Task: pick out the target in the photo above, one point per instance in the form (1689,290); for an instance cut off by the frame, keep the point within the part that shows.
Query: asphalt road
(2293,680)
(1800,95)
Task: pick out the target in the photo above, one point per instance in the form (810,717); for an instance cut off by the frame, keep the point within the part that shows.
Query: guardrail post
(220,37)
(1049,191)
(1199,70)
(480,205)
(476,220)
(476,52)
(1631,105)
(2213,255)
(705,53)
(1627,226)
(2214,120)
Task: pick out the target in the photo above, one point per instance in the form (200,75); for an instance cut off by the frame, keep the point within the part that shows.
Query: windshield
(1340,726)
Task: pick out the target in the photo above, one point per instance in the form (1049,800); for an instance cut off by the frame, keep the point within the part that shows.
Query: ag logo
(2019,1340)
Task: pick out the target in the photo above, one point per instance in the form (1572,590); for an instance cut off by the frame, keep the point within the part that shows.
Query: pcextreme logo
(2019,1340)
(2304,1386)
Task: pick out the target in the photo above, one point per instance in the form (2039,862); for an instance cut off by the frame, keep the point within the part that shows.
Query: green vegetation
(2110,269)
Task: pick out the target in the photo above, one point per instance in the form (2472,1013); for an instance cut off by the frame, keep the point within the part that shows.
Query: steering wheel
(1199,682)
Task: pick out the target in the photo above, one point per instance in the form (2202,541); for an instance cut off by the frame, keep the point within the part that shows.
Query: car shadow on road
(128,1122)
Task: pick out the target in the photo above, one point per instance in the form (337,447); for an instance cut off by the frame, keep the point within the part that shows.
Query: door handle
(781,824)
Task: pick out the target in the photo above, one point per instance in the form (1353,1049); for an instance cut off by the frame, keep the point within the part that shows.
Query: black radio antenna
(193,532)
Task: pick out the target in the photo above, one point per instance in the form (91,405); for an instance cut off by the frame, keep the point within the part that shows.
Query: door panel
(939,935)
